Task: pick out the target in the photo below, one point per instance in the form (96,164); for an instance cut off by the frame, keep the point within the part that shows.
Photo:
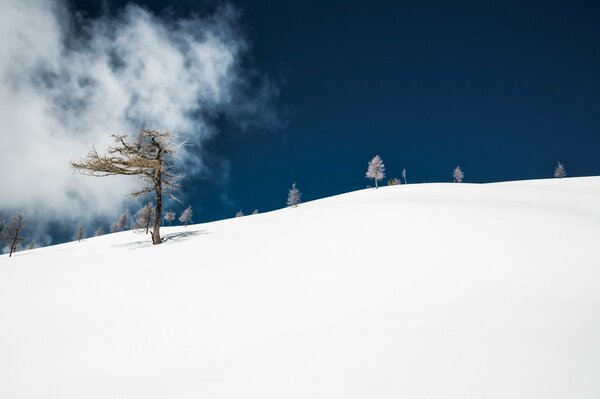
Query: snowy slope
(417,291)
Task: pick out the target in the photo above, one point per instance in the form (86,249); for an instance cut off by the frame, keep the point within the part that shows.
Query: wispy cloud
(65,85)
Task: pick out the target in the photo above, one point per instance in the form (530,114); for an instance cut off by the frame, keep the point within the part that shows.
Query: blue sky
(504,89)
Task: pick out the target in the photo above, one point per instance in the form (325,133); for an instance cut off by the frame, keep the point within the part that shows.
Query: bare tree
(404,175)
(239,214)
(149,156)
(458,175)
(560,171)
(121,223)
(13,230)
(186,216)
(144,218)
(79,234)
(99,231)
(169,217)
(294,196)
(32,244)
(376,169)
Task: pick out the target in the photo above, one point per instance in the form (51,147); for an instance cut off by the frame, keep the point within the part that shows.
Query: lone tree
(239,214)
(148,156)
(144,218)
(12,232)
(169,217)
(458,175)
(404,175)
(560,171)
(99,232)
(376,169)
(79,234)
(294,196)
(186,216)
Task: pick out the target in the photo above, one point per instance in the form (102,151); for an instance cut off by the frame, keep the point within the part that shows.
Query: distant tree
(458,175)
(12,231)
(404,175)
(169,217)
(376,170)
(148,156)
(186,216)
(294,196)
(99,231)
(239,214)
(560,171)
(32,244)
(121,223)
(144,218)
(393,182)
(255,212)
(79,234)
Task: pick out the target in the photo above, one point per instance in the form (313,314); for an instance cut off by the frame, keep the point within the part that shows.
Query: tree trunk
(158,191)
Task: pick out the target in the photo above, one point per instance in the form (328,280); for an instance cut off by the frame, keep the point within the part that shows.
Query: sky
(276,92)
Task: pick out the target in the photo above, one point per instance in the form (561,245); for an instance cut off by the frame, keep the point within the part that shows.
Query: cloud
(67,83)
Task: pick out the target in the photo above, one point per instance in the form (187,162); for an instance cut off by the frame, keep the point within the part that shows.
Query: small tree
(239,214)
(559,171)
(169,217)
(144,218)
(294,196)
(186,216)
(79,234)
(32,244)
(458,175)
(121,223)
(13,230)
(148,156)
(99,231)
(404,175)
(376,170)
(255,212)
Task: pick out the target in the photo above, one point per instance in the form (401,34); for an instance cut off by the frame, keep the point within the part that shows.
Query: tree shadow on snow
(166,239)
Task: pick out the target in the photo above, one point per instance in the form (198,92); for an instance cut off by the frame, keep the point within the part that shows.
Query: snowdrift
(411,291)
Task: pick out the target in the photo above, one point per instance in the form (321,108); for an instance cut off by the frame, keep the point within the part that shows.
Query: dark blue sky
(504,89)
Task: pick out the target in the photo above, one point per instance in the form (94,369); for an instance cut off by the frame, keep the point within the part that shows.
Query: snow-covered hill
(416,291)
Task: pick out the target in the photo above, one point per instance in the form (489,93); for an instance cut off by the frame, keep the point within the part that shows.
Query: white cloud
(61,93)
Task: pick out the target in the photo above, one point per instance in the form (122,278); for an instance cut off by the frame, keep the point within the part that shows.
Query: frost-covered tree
(99,231)
(458,175)
(169,217)
(255,212)
(559,171)
(239,214)
(294,196)
(376,170)
(149,156)
(404,175)
(79,234)
(186,216)
(13,230)
(121,223)
(144,218)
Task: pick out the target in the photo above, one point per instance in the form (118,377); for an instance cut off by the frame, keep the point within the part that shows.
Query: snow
(408,291)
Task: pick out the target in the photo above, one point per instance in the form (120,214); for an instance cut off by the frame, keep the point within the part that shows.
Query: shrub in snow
(458,175)
(79,234)
(239,214)
(144,218)
(186,216)
(376,170)
(294,196)
(169,217)
(393,182)
(560,171)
